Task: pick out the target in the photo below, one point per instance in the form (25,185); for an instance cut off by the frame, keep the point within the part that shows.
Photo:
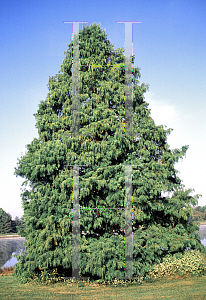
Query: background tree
(199,213)
(5,222)
(161,224)
(19,225)
(201,208)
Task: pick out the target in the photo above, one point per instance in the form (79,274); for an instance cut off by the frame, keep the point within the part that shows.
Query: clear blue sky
(170,49)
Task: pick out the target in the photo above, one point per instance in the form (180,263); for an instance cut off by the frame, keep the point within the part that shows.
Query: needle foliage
(161,206)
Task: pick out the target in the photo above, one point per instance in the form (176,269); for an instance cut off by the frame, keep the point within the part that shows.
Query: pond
(9,246)
(202,234)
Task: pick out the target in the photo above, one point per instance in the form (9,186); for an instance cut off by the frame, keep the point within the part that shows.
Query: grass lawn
(172,288)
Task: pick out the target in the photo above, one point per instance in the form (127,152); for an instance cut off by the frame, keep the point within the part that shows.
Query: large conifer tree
(161,224)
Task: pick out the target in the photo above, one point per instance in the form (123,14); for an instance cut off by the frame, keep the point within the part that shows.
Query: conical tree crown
(161,224)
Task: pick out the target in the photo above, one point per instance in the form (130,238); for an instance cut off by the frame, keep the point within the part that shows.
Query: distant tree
(198,215)
(162,225)
(196,218)
(201,208)
(198,208)
(20,227)
(5,222)
(13,226)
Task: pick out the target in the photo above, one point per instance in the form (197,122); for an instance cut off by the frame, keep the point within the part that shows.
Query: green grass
(171,288)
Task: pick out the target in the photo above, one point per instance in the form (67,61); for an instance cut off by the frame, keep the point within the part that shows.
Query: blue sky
(169,46)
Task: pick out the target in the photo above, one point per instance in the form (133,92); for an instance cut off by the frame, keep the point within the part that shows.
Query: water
(10,246)
(202,234)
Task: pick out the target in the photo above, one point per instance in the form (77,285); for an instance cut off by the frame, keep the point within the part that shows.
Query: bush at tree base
(161,224)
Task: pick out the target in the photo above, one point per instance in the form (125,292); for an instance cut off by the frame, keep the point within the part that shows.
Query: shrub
(191,262)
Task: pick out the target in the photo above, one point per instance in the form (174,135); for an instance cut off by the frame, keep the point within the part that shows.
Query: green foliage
(162,225)
(190,262)
(199,213)
(5,222)
(19,224)
(7,225)
(201,209)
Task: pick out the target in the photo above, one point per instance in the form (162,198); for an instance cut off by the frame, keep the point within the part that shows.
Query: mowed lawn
(171,288)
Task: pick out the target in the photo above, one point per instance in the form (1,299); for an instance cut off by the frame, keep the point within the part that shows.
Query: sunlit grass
(170,288)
